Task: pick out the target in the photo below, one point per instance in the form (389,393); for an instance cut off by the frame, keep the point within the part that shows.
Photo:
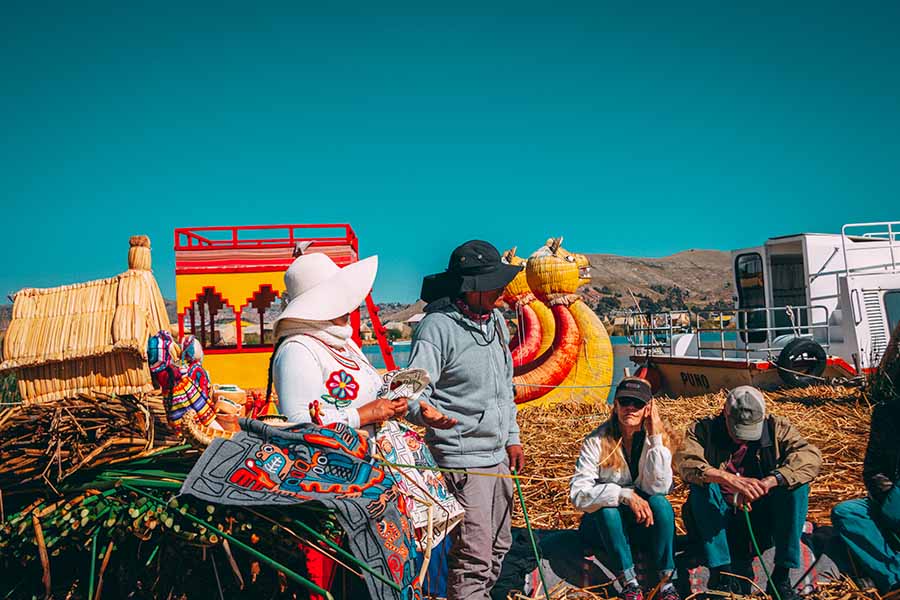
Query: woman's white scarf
(326,332)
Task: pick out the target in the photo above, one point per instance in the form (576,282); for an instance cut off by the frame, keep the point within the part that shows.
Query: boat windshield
(751,290)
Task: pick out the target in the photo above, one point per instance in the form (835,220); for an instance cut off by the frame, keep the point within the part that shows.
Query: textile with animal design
(266,465)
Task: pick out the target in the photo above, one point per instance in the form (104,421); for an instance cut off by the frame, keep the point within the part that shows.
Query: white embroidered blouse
(595,486)
(308,374)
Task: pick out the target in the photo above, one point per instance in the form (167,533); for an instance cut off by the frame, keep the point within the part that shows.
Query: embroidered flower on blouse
(342,389)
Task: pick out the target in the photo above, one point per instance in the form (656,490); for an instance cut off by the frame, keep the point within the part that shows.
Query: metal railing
(877,235)
(720,334)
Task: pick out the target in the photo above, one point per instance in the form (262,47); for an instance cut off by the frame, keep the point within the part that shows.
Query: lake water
(621,354)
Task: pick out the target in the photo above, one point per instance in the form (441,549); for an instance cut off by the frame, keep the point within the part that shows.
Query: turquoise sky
(638,130)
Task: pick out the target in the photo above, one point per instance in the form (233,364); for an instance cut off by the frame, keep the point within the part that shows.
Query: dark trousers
(777,519)
(871,533)
(614,532)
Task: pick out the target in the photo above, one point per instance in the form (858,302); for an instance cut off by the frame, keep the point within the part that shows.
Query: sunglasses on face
(628,401)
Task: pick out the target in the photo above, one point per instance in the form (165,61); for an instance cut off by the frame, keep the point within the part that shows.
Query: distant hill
(397,311)
(172,310)
(5,316)
(693,278)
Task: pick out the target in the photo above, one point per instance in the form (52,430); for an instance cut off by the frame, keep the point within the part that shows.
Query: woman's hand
(653,423)
(376,411)
(641,509)
(399,406)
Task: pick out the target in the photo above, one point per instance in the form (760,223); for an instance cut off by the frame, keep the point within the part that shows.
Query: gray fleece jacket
(471,371)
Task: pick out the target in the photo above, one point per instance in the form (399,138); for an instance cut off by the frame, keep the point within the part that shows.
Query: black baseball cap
(634,387)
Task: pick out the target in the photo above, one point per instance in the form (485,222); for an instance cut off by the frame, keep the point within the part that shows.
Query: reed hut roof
(86,320)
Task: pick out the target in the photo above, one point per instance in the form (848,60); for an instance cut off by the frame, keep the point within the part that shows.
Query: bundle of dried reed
(46,443)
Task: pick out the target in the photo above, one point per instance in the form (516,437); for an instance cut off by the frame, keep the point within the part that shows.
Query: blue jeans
(777,519)
(616,530)
(870,533)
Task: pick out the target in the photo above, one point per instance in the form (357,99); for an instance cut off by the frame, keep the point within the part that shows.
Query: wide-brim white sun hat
(319,290)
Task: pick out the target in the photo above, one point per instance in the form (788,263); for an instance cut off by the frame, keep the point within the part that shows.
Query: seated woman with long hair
(622,476)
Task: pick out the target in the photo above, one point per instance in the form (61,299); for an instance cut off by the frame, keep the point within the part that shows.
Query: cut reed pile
(46,443)
(843,589)
(89,502)
(836,419)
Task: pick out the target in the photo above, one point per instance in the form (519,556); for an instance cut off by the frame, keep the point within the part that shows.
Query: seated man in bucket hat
(744,458)
(468,408)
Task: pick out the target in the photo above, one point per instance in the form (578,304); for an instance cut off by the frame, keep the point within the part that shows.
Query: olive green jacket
(782,450)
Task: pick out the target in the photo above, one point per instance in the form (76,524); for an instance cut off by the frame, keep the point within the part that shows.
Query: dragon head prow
(552,269)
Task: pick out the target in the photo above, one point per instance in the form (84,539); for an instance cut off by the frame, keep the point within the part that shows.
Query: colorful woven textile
(184,388)
(423,486)
(266,465)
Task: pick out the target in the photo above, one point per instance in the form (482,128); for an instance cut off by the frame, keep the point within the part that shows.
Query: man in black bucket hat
(468,408)
(475,266)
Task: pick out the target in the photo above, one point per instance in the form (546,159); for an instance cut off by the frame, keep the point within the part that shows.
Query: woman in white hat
(320,374)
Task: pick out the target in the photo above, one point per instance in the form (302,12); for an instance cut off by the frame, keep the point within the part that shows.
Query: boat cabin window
(892,308)
(212,320)
(788,289)
(260,314)
(751,288)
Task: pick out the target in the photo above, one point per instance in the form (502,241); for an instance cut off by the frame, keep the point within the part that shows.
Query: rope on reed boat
(470,472)
(564,387)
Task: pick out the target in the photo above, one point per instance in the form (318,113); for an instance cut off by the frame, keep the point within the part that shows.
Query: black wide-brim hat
(475,266)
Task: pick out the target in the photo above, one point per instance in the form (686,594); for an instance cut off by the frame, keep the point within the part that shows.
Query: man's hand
(434,418)
(641,509)
(516,458)
(749,490)
(769,483)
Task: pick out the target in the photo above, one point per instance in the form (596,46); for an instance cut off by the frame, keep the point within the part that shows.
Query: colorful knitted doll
(182,393)
(192,360)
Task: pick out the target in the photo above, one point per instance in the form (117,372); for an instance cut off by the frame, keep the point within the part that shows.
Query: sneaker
(669,593)
(632,591)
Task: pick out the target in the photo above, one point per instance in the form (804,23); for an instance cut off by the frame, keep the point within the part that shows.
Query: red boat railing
(206,241)
(236,237)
